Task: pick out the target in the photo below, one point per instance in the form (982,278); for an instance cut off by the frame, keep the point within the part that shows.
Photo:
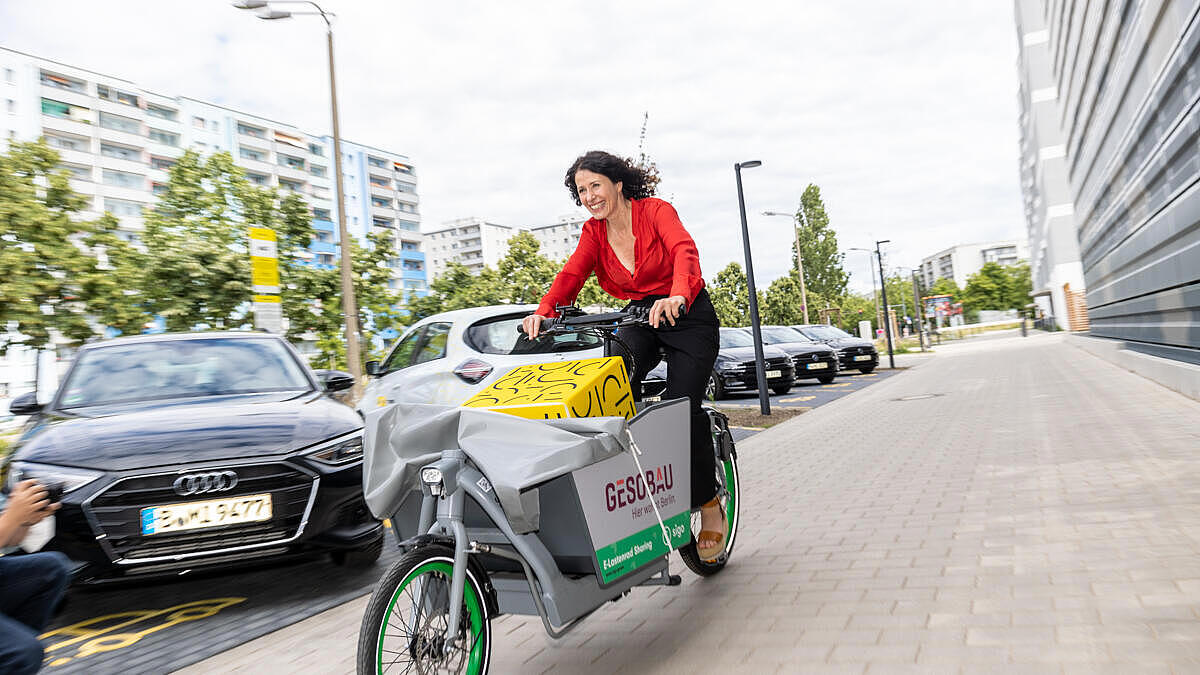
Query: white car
(449,357)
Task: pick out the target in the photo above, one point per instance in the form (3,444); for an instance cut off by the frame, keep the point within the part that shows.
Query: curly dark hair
(637,181)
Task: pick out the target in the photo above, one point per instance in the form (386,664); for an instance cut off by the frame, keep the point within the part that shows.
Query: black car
(811,359)
(852,352)
(184,452)
(734,369)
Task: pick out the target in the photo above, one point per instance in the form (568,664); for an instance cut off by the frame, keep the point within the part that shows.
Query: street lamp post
(349,303)
(874,292)
(764,403)
(799,257)
(887,324)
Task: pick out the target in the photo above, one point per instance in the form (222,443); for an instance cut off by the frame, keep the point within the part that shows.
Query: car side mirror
(335,380)
(373,368)
(25,404)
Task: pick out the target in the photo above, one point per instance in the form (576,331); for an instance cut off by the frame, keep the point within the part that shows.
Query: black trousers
(690,348)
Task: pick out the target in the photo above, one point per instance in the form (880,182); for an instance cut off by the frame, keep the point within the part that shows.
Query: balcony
(68,96)
(126,193)
(298,175)
(255,165)
(81,126)
(408,198)
(127,165)
(124,138)
(78,157)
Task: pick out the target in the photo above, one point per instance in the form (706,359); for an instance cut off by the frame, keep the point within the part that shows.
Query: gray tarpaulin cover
(514,453)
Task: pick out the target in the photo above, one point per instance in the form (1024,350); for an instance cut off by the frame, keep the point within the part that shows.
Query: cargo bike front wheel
(728,492)
(404,627)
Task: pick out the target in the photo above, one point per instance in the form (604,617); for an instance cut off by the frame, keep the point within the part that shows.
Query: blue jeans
(30,588)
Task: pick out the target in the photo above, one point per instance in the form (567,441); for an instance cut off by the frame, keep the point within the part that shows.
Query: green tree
(58,268)
(781,302)
(856,308)
(945,286)
(730,297)
(989,288)
(525,274)
(823,273)
(458,288)
(1020,285)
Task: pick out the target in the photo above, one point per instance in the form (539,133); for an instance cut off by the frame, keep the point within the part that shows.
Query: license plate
(817,366)
(211,513)
(863,357)
(774,373)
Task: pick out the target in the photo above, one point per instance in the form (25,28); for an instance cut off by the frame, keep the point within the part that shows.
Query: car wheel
(864,371)
(780,391)
(715,390)
(356,558)
(825,379)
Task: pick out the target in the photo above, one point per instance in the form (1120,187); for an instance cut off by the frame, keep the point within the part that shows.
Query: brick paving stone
(1039,513)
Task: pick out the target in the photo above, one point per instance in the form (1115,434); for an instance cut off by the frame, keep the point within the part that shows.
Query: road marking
(748,428)
(96,635)
(839,385)
(796,399)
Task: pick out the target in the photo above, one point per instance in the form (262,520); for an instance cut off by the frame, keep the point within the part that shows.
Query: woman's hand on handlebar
(532,325)
(667,308)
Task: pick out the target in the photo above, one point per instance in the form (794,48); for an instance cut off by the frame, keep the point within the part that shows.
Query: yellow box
(584,388)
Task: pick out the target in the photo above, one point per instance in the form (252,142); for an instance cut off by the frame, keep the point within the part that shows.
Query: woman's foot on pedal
(710,543)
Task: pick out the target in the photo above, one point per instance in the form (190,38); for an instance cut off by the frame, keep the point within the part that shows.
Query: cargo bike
(554,517)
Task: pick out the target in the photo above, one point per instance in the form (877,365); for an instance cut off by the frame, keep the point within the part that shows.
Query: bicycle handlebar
(571,317)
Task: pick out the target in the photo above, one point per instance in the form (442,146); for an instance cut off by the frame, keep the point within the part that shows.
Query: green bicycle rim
(731,488)
(474,612)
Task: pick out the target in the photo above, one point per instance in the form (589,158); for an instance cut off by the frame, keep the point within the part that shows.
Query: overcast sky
(904,113)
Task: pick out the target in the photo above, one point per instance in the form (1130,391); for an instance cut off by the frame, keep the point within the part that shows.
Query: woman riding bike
(640,251)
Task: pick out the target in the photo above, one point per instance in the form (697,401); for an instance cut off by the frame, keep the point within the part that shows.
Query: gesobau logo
(631,490)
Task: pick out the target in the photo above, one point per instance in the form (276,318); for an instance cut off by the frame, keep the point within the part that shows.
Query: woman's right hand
(532,325)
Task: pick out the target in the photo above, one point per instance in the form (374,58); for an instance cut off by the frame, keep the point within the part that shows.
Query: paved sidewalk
(1008,505)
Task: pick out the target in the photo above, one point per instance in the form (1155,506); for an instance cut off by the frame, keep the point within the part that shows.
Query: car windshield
(736,338)
(499,336)
(824,332)
(774,335)
(145,371)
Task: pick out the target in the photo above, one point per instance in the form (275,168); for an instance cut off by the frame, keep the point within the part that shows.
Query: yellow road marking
(796,399)
(97,636)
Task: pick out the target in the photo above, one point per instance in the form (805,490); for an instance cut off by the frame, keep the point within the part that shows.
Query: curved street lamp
(760,370)
(799,257)
(349,303)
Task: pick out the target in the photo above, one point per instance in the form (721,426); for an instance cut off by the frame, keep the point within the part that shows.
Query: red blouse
(665,260)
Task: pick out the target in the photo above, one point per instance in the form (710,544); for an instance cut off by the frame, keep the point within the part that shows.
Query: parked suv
(852,352)
(735,369)
(811,359)
(181,452)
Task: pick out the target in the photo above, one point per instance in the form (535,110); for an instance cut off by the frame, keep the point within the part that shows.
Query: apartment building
(558,241)
(478,243)
(960,262)
(119,141)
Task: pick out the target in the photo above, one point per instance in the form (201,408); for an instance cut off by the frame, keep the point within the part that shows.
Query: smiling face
(599,195)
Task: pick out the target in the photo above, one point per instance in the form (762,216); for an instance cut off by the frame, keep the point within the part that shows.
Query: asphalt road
(157,627)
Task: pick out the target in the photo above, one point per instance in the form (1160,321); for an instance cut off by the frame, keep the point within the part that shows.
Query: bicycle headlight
(69,478)
(340,451)
(432,478)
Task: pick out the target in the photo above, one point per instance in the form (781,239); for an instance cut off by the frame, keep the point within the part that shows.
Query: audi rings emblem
(201,483)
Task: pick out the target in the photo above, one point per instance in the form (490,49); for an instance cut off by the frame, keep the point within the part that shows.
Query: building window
(78,172)
(123,179)
(381,202)
(413,266)
(164,137)
(63,82)
(320,192)
(161,112)
(290,185)
(253,132)
(212,125)
(123,97)
(316,149)
(198,122)
(9,75)
(63,110)
(377,181)
(323,237)
(118,123)
(161,163)
(382,222)
(12,106)
(256,178)
(317,170)
(321,214)
(291,162)
(408,225)
(405,187)
(159,189)
(407,208)
(325,258)
(121,207)
(120,152)
(248,153)
(376,162)
(403,168)
(409,246)
(66,142)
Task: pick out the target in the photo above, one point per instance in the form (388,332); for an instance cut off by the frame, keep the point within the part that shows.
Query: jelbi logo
(633,489)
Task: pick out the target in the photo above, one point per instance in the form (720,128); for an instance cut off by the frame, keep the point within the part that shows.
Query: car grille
(116,512)
(773,363)
(802,359)
(852,351)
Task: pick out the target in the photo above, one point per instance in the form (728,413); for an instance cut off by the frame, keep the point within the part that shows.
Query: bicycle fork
(450,505)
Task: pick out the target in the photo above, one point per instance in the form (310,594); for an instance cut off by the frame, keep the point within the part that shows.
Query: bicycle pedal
(674,580)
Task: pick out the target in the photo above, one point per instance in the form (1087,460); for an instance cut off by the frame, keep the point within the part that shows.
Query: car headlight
(69,478)
(338,452)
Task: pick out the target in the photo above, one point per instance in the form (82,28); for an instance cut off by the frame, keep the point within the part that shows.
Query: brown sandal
(710,543)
